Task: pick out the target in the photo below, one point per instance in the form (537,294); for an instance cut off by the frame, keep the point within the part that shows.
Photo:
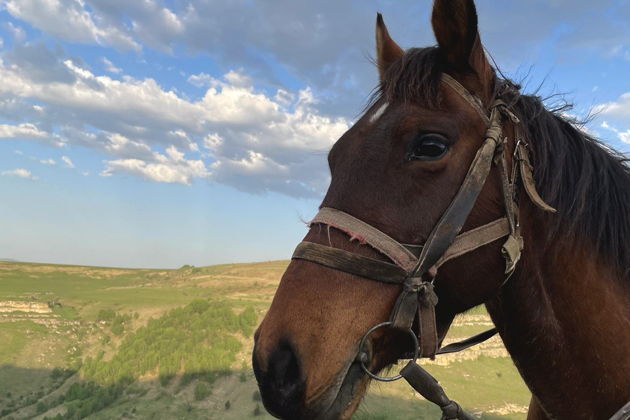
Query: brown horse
(564,315)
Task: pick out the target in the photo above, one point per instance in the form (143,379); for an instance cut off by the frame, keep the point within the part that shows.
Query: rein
(416,273)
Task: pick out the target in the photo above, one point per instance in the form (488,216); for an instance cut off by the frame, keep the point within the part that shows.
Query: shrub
(41,407)
(199,305)
(202,390)
(118,329)
(106,315)
(166,379)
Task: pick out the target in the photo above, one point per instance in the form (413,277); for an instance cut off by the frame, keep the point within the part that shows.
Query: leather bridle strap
(382,271)
(367,234)
(418,299)
(350,263)
(472,100)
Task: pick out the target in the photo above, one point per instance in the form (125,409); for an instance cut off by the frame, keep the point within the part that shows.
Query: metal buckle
(363,356)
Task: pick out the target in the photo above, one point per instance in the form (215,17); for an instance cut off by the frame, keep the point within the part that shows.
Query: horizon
(170,133)
(12,260)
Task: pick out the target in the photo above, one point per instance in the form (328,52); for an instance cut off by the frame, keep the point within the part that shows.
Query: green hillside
(102,343)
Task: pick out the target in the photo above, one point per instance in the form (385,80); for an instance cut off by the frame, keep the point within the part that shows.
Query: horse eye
(428,147)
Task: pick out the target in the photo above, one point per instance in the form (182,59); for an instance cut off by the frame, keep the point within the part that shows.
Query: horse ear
(456,30)
(387,51)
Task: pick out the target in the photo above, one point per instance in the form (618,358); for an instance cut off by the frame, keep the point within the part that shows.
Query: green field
(108,343)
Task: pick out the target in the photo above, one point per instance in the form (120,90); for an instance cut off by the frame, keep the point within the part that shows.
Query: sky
(158,133)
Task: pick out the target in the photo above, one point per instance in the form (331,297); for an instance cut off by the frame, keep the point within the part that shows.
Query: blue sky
(158,133)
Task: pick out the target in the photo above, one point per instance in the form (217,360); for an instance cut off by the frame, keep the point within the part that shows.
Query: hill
(101,343)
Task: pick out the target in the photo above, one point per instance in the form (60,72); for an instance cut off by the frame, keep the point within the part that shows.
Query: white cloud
(200,80)
(48,161)
(20,173)
(619,111)
(252,140)
(213,141)
(67,161)
(69,20)
(170,168)
(619,108)
(23,131)
(110,67)
(624,136)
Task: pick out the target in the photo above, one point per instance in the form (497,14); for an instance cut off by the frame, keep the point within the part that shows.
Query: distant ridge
(9,260)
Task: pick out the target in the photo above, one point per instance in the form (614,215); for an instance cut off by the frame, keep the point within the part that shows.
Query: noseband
(415,266)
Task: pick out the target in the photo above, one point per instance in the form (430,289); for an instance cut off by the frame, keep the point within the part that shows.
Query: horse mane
(584,179)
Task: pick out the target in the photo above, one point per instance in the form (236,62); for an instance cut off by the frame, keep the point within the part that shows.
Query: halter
(415,266)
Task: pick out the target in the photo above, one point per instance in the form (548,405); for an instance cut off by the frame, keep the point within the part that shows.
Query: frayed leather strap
(366,234)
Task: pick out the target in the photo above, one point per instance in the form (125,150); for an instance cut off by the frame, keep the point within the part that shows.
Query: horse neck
(565,320)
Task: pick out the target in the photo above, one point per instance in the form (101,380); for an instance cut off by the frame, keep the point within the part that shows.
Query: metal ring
(363,360)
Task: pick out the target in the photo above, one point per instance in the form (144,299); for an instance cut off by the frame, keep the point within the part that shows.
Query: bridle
(415,266)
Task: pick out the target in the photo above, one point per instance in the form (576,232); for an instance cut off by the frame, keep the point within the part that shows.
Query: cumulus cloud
(20,173)
(200,80)
(110,67)
(170,168)
(39,64)
(69,20)
(619,108)
(624,136)
(68,162)
(619,112)
(233,134)
(303,38)
(22,131)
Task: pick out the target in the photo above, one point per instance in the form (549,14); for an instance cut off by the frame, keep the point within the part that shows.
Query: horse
(557,290)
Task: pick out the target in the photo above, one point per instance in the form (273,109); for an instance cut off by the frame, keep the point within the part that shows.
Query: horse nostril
(282,385)
(284,372)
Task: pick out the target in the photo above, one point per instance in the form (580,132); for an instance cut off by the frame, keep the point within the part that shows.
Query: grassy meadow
(112,343)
